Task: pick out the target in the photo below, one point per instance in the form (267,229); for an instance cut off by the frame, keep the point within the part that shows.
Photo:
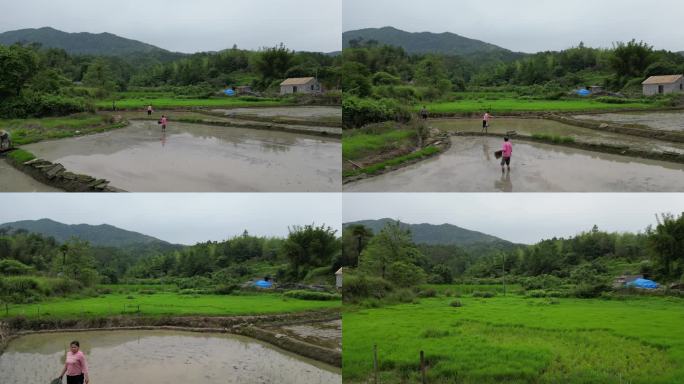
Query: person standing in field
(507,151)
(163,122)
(75,366)
(149,110)
(424,113)
(5,139)
(485,121)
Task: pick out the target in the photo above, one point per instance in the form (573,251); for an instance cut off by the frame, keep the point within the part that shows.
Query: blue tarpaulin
(643,283)
(229,92)
(583,92)
(263,284)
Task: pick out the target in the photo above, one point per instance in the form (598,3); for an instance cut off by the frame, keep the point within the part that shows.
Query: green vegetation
(21,156)
(312,295)
(541,313)
(518,340)
(26,131)
(553,138)
(169,103)
(361,144)
(154,303)
(378,167)
(503,106)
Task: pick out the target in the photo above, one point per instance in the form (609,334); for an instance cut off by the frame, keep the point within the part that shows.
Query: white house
(300,85)
(338,278)
(658,85)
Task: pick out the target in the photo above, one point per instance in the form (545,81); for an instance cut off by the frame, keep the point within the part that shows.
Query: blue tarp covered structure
(229,92)
(643,283)
(263,284)
(583,92)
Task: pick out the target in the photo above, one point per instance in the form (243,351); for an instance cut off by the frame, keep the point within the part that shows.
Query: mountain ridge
(104,235)
(436,234)
(428,42)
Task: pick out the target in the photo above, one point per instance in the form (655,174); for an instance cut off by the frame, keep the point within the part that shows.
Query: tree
(667,242)
(443,273)
(393,244)
(100,75)
(273,63)
(355,238)
(631,60)
(17,66)
(309,247)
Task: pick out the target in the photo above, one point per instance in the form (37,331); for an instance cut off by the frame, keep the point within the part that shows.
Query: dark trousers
(75,379)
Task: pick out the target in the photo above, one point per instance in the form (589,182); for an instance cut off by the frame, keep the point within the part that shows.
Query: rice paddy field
(514,339)
(507,105)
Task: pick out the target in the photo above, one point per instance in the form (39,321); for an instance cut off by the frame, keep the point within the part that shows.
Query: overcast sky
(529,25)
(180,218)
(519,217)
(189,26)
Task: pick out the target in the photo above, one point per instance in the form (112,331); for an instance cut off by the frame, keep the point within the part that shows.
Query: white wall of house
(338,281)
(310,87)
(653,89)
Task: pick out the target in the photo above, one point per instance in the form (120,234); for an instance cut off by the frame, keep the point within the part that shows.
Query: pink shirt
(486,117)
(163,120)
(507,149)
(76,364)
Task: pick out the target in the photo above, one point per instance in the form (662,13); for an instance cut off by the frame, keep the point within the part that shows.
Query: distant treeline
(588,261)
(36,81)
(309,253)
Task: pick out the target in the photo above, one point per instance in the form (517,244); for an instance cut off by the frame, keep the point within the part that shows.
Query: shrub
(357,287)
(404,295)
(61,287)
(11,267)
(21,156)
(312,295)
(225,289)
(357,112)
(434,333)
(456,303)
(430,292)
(588,291)
(485,294)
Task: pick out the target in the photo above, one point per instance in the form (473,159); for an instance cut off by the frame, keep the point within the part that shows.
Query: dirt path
(12,180)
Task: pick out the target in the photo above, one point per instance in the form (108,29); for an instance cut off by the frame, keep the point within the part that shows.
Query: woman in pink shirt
(507,151)
(485,121)
(75,366)
(163,122)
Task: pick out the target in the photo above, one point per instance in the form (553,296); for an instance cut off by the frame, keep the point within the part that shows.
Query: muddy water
(529,127)
(151,357)
(293,112)
(200,158)
(470,166)
(327,334)
(11,180)
(667,121)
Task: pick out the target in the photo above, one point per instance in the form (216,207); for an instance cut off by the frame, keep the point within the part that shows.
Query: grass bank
(514,105)
(26,131)
(151,303)
(518,340)
(169,102)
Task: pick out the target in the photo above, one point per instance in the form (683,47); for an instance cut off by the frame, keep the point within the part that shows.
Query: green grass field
(518,340)
(358,145)
(507,105)
(169,102)
(26,131)
(165,304)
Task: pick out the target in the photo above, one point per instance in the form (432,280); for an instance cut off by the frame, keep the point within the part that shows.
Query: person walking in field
(507,151)
(149,110)
(485,121)
(424,113)
(75,365)
(163,121)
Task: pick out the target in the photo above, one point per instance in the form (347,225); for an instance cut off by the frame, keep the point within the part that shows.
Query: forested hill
(444,234)
(84,43)
(103,235)
(427,42)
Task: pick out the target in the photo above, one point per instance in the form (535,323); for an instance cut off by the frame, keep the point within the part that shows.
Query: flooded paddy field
(161,357)
(326,334)
(529,127)
(309,112)
(13,180)
(666,121)
(199,158)
(470,166)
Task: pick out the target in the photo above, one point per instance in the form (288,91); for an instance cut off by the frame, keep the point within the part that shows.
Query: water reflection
(504,184)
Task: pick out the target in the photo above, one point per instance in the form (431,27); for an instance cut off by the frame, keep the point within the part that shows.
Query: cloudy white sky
(180,218)
(529,25)
(520,217)
(189,26)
